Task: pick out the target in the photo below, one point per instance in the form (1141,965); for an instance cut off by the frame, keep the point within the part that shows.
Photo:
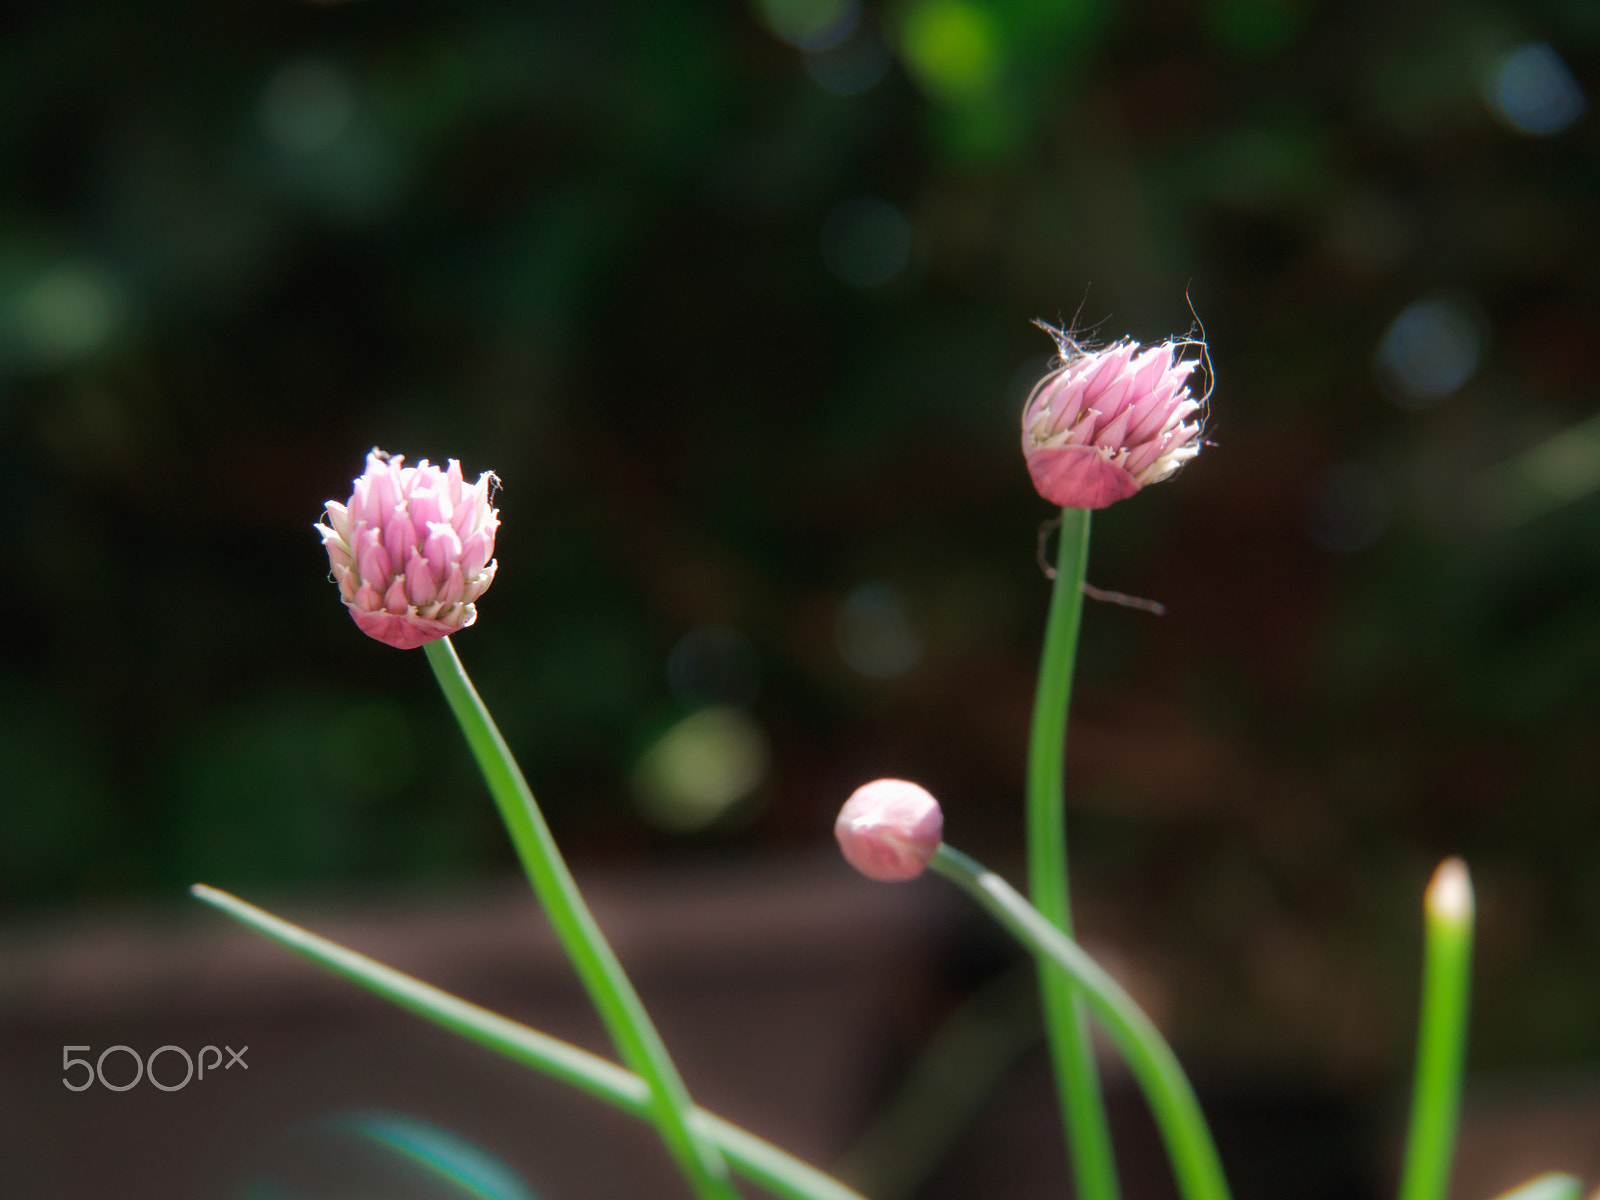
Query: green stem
(597,966)
(1177,1112)
(758,1160)
(1083,1108)
(1441,1040)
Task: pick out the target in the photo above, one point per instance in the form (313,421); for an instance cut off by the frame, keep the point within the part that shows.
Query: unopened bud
(889,829)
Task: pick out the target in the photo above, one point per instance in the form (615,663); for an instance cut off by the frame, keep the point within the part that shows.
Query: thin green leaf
(756,1159)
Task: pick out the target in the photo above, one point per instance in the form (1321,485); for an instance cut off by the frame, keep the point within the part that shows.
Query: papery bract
(412,549)
(1104,423)
(889,829)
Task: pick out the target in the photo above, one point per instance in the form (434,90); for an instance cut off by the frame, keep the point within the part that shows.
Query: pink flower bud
(1104,423)
(889,829)
(412,549)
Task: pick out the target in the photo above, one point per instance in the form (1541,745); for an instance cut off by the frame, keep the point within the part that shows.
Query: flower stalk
(1083,1109)
(1442,1036)
(618,1004)
(757,1160)
(1172,1100)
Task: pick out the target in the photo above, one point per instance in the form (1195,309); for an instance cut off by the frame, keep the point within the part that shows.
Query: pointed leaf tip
(1449,895)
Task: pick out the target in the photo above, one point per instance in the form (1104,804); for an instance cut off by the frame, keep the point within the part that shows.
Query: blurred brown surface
(793,994)
(774,986)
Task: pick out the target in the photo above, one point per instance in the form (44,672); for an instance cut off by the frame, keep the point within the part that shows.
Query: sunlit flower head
(1104,423)
(412,549)
(889,829)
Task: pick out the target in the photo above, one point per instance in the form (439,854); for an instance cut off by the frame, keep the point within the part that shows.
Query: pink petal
(421,585)
(428,506)
(1182,413)
(1114,364)
(338,552)
(338,517)
(1149,416)
(1113,435)
(473,511)
(1079,477)
(1151,365)
(475,552)
(1069,410)
(387,491)
(480,585)
(455,587)
(366,599)
(1182,369)
(1146,454)
(399,537)
(1082,434)
(364,508)
(1111,401)
(442,548)
(403,633)
(1042,392)
(372,560)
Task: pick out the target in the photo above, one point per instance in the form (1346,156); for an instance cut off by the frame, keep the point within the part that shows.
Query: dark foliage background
(748,354)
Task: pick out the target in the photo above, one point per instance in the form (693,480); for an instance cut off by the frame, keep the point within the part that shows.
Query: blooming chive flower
(412,549)
(889,829)
(1104,423)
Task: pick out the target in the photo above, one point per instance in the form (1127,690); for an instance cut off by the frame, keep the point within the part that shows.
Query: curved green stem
(1177,1112)
(1083,1108)
(597,966)
(1442,1037)
(758,1160)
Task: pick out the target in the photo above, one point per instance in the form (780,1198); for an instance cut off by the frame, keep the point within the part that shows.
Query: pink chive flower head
(412,549)
(1104,423)
(889,829)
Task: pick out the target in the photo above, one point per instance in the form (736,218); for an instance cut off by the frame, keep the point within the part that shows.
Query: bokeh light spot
(66,314)
(875,635)
(855,65)
(1556,471)
(699,768)
(307,106)
(1430,351)
(811,24)
(1532,90)
(866,242)
(952,49)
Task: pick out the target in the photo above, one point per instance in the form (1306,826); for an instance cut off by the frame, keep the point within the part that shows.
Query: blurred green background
(735,298)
